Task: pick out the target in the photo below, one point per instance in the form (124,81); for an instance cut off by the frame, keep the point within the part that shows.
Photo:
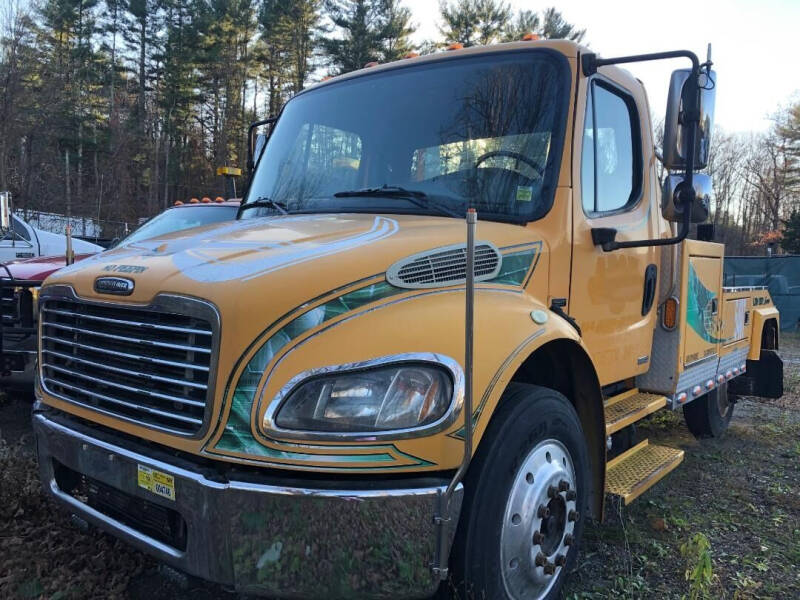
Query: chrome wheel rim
(539,521)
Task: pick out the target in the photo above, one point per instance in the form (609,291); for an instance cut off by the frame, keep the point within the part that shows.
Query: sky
(753,46)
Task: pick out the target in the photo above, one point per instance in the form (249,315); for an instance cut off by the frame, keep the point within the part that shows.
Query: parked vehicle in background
(19,296)
(288,404)
(23,241)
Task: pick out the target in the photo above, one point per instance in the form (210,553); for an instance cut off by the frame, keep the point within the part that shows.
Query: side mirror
(675,126)
(5,211)
(672,208)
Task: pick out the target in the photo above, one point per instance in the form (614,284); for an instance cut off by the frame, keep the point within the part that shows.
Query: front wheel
(709,416)
(526,497)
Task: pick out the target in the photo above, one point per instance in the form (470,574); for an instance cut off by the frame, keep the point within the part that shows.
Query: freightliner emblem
(113,285)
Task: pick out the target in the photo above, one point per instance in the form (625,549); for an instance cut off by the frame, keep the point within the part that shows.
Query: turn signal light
(530,37)
(709,384)
(194,201)
(373,63)
(412,55)
(669,314)
(205,200)
(219,199)
(456,46)
(682,397)
(697,390)
(178,203)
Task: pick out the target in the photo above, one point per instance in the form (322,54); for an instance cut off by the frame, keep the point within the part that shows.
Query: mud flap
(764,377)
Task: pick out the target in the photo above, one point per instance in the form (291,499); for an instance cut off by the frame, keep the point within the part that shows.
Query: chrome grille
(150,365)
(444,266)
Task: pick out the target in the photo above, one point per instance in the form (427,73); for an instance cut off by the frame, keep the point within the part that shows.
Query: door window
(611,162)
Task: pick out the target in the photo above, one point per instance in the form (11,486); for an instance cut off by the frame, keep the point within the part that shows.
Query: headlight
(374,399)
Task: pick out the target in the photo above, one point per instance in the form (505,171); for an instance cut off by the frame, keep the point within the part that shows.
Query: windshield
(483,131)
(177,219)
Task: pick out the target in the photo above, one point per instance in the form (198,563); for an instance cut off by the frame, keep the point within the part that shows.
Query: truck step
(635,471)
(628,407)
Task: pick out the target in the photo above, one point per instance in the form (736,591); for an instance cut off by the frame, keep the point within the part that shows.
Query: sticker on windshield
(524,193)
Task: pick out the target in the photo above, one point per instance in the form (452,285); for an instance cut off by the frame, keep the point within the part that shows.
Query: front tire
(525,499)
(710,415)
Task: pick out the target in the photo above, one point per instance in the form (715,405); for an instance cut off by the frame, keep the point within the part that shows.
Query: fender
(761,317)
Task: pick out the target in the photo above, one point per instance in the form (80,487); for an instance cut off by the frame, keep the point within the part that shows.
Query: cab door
(612,294)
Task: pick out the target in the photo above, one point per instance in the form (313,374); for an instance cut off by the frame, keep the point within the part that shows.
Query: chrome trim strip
(269,427)
(147,409)
(141,357)
(129,339)
(142,324)
(183,305)
(91,363)
(127,388)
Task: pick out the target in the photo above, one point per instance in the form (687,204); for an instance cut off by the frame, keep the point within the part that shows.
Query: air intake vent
(444,266)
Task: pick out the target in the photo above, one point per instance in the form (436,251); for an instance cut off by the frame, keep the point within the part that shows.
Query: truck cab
(351,391)
(22,241)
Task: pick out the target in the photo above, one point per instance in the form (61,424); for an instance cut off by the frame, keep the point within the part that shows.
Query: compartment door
(702,327)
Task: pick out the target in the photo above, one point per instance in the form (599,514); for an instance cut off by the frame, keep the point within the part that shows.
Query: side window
(611,162)
(21,230)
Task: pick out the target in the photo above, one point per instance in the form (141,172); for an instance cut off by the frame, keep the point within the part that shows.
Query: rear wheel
(709,416)
(526,494)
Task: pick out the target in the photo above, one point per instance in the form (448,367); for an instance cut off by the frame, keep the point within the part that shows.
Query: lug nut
(543,512)
(552,492)
(540,560)
(569,539)
(561,560)
(571,495)
(549,569)
(563,486)
(573,515)
(538,538)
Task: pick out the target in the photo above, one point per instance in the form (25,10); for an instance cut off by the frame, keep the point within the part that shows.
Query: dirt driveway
(729,516)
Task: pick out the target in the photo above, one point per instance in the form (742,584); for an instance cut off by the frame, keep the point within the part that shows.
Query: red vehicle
(20,281)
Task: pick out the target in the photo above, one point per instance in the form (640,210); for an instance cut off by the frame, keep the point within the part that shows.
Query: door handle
(649,295)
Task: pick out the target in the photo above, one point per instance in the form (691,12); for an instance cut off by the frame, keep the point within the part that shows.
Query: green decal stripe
(698,311)
(238,436)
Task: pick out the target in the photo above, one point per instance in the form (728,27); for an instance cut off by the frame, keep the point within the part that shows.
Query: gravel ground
(741,493)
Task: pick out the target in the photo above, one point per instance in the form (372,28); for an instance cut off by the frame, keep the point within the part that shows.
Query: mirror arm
(605,237)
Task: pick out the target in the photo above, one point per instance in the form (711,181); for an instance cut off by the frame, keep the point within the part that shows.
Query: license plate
(157,482)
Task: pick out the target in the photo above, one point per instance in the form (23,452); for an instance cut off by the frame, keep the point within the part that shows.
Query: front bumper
(259,534)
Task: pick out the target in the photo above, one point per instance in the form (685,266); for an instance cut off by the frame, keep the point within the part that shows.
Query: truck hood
(257,269)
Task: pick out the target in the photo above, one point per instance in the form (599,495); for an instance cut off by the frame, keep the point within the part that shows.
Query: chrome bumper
(261,536)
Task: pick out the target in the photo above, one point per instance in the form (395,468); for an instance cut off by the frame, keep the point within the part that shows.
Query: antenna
(708,53)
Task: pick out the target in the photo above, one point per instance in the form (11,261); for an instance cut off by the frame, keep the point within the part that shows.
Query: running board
(635,471)
(629,407)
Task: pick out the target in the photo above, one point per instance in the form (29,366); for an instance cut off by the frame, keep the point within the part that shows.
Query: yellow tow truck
(454,285)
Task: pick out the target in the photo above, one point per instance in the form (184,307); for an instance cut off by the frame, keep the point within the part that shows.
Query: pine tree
(791,233)
(398,30)
(371,30)
(554,26)
(526,21)
(471,22)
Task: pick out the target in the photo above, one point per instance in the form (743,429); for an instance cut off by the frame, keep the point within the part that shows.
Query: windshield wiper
(417,197)
(263,202)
